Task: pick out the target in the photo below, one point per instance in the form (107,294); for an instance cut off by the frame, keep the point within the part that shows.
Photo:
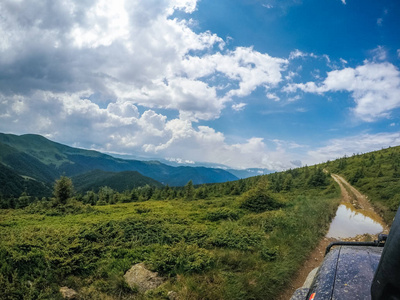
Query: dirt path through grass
(349,195)
(359,202)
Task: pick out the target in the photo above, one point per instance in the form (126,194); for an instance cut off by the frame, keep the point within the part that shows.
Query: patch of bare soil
(349,195)
(359,201)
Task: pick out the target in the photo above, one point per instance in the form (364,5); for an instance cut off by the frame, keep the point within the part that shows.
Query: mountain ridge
(44,160)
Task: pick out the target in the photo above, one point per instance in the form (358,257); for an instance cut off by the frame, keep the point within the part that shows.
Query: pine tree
(63,189)
(189,190)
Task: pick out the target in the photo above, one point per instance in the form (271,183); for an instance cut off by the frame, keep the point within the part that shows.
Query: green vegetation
(40,159)
(259,199)
(63,189)
(13,185)
(375,174)
(118,181)
(234,240)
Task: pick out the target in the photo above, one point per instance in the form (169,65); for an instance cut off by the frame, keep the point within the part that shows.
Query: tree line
(63,189)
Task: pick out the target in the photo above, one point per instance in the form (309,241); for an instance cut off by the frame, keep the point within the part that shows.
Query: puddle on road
(350,222)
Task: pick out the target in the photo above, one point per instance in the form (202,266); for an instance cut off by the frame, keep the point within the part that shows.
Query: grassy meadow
(238,243)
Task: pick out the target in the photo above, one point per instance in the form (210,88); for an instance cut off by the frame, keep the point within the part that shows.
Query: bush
(232,236)
(181,259)
(63,189)
(259,200)
(269,254)
(318,178)
(53,208)
(222,214)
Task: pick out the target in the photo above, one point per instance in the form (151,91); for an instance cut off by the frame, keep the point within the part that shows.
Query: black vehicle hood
(346,273)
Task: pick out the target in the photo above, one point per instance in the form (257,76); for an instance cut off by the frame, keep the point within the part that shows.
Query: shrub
(318,178)
(143,210)
(259,200)
(222,214)
(181,258)
(63,189)
(53,208)
(269,254)
(234,236)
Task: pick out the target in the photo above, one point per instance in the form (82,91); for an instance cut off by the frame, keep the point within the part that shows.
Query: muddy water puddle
(350,222)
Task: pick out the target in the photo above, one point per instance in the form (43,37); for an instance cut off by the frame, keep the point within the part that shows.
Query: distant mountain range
(37,161)
(241,174)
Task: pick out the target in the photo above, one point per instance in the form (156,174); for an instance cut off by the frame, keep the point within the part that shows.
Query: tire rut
(349,194)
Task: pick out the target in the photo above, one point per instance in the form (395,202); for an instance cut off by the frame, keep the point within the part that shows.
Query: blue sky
(248,83)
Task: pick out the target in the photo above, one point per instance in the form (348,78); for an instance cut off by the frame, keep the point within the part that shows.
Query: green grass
(375,174)
(210,248)
(234,240)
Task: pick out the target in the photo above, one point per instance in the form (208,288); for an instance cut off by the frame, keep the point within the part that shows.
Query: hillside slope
(375,174)
(212,245)
(120,181)
(39,158)
(13,185)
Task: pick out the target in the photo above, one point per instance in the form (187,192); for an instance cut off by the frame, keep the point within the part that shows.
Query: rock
(173,295)
(143,279)
(68,293)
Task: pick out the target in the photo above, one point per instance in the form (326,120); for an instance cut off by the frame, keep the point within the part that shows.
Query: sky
(273,84)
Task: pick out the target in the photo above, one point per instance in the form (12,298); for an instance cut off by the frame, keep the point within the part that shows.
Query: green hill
(120,181)
(376,174)
(13,185)
(243,239)
(44,160)
(235,240)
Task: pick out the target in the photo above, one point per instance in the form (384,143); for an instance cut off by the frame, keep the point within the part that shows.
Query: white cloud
(77,71)
(296,54)
(295,98)
(109,22)
(344,2)
(188,6)
(291,75)
(131,51)
(123,109)
(379,53)
(239,106)
(273,96)
(180,160)
(363,143)
(248,68)
(269,6)
(374,87)
(119,128)
(328,60)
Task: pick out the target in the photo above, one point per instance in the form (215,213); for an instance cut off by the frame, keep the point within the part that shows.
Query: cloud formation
(140,77)
(78,72)
(126,51)
(121,128)
(362,143)
(374,87)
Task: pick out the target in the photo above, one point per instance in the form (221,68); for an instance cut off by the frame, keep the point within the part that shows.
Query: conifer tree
(63,189)
(189,190)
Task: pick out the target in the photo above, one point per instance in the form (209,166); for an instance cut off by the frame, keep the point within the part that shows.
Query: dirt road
(353,196)
(360,202)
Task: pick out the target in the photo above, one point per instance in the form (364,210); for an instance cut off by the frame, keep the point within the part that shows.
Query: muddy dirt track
(349,195)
